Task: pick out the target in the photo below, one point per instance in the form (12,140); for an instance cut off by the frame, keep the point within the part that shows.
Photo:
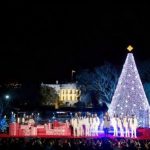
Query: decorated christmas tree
(37,118)
(3,124)
(129,97)
(12,118)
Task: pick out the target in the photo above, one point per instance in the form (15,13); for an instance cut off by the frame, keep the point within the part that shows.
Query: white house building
(68,93)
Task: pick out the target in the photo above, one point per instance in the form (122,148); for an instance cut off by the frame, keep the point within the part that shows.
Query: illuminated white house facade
(68,93)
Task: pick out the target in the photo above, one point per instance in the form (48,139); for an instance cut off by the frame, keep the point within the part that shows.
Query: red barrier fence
(25,130)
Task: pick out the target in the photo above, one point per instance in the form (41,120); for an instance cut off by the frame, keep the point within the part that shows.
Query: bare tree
(105,82)
(100,83)
(49,96)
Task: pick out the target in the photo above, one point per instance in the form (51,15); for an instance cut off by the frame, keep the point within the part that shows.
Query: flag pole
(72,72)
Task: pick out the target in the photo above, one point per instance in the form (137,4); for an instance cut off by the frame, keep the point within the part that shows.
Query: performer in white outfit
(96,123)
(67,124)
(119,122)
(84,126)
(91,125)
(80,126)
(114,124)
(87,125)
(133,125)
(75,125)
(126,126)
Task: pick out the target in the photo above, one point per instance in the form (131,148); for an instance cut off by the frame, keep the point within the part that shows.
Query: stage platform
(60,130)
(73,137)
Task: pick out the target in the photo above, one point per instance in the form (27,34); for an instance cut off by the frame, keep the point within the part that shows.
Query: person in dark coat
(106,125)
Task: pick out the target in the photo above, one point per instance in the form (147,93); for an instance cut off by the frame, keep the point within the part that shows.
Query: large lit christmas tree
(129,97)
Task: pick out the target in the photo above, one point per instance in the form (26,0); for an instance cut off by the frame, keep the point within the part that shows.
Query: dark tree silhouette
(98,84)
(49,96)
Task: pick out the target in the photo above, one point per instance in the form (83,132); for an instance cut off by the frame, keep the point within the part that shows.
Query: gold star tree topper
(129,48)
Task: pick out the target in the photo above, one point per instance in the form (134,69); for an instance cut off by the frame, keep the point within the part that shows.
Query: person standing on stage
(120,126)
(126,126)
(80,126)
(75,122)
(91,125)
(133,125)
(114,124)
(87,125)
(96,123)
(106,123)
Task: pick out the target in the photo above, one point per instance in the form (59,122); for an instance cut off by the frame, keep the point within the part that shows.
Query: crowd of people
(73,144)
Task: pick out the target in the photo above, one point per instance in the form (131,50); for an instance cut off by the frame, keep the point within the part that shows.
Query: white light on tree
(132,88)
(129,86)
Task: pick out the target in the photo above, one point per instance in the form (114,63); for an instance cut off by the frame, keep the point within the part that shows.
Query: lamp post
(7,96)
(7,99)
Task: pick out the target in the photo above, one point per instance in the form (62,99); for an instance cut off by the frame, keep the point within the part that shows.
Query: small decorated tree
(3,124)
(12,118)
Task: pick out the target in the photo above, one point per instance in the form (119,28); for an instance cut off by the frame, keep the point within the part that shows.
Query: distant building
(13,85)
(68,93)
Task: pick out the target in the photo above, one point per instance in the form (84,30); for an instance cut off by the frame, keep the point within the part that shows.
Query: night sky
(44,42)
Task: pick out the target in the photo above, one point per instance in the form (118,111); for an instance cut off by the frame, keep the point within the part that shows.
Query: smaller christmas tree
(3,124)
(12,118)
(37,118)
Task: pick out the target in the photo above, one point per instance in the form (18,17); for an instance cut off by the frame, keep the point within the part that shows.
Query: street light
(7,96)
